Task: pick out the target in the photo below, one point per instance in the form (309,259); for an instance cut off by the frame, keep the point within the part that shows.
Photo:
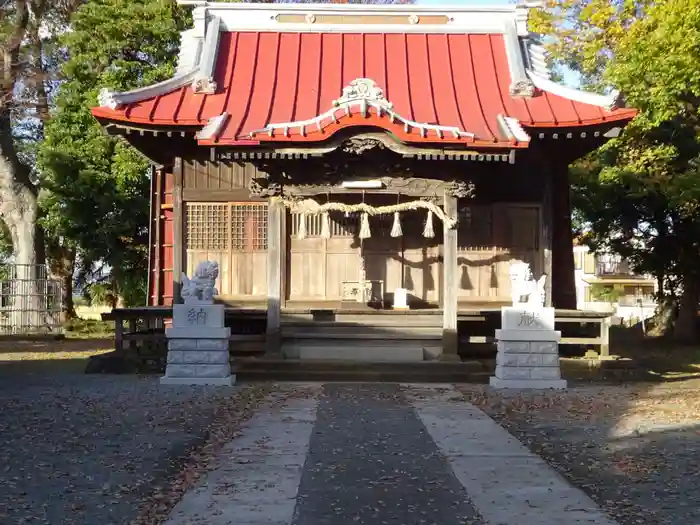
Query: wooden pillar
(563,277)
(547,237)
(450,338)
(276,255)
(156,268)
(605,337)
(178,226)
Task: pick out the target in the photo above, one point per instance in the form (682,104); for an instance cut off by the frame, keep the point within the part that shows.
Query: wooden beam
(276,255)
(178,225)
(450,337)
(232,195)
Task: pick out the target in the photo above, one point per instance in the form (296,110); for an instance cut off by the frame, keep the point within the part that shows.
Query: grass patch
(89,329)
(68,355)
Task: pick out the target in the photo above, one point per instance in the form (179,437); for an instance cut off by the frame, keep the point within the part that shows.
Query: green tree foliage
(605,293)
(97,189)
(583,35)
(640,195)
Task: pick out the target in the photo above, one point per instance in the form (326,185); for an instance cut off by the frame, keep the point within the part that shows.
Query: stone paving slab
(258,474)
(381,454)
(510,485)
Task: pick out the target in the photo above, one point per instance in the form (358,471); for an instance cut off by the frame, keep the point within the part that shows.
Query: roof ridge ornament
(107,98)
(522,88)
(362,89)
(365,94)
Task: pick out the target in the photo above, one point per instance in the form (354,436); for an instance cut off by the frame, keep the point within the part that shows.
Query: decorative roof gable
(254,73)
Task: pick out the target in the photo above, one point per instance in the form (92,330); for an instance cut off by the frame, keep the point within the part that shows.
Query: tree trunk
(18,197)
(19,210)
(62,265)
(664,316)
(67,297)
(685,330)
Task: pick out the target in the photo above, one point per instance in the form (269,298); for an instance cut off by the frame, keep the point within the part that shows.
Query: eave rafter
(357,144)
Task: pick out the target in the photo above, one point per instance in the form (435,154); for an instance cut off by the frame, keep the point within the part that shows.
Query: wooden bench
(601,338)
(144,324)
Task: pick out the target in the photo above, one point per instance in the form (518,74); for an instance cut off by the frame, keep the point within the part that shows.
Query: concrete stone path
(381,454)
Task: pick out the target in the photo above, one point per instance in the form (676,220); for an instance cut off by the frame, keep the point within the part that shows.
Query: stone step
(366,332)
(406,353)
(362,349)
(364,320)
(337,370)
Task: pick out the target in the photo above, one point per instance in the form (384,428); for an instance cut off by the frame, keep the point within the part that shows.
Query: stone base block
(198,315)
(527,317)
(541,384)
(527,359)
(198,344)
(197,370)
(213,381)
(528,347)
(528,335)
(528,372)
(193,357)
(197,332)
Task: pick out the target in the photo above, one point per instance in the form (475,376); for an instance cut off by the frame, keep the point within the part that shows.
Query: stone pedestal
(198,346)
(528,349)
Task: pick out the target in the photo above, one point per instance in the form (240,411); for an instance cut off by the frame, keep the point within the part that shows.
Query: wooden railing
(593,327)
(139,333)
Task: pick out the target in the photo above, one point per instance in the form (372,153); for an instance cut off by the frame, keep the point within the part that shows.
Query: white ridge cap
(492,19)
(608,102)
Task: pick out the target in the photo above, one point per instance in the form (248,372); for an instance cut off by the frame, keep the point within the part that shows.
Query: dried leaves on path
(79,449)
(633,448)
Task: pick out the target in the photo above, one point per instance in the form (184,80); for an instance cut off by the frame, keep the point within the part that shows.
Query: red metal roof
(456,80)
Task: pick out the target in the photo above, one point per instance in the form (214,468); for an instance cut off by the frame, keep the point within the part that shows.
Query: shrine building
(363,172)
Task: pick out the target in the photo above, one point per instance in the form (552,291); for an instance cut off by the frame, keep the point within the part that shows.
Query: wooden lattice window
(227,226)
(340,225)
(249,226)
(208,226)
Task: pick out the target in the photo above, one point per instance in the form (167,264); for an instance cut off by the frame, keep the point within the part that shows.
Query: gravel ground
(633,448)
(77,449)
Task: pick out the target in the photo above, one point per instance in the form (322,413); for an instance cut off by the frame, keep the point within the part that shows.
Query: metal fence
(30,301)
